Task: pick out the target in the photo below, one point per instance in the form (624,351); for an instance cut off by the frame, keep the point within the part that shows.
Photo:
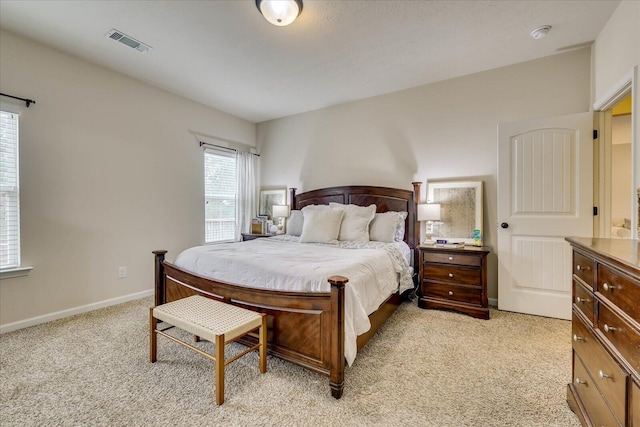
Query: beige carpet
(424,368)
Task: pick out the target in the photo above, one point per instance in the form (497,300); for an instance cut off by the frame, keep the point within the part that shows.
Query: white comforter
(375,270)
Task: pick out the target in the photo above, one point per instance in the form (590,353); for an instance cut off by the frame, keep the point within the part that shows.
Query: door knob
(504,225)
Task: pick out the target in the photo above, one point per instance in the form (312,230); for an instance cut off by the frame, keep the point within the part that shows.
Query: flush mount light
(540,32)
(280,12)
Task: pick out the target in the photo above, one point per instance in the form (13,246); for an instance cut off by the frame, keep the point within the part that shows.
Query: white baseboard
(9,327)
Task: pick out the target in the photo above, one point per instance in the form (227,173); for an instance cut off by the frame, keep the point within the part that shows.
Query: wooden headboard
(385,199)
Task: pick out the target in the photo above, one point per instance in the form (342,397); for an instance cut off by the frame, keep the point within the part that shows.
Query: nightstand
(454,279)
(251,236)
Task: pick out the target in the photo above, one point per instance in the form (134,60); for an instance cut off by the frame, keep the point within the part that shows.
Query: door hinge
(595,211)
(595,134)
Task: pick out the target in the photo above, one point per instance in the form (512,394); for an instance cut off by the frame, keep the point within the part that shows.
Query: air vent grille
(119,36)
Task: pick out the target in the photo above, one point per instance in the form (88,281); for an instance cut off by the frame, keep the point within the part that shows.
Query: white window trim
(19,271)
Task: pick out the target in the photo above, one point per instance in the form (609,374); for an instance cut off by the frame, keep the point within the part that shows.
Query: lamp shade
(279,12)
(280,211)
(429,212)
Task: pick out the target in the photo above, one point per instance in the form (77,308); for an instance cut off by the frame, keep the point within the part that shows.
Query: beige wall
(445,130)
(109,172)
(616,54)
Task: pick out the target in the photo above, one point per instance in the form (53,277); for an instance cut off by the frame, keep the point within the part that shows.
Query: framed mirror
(460,209)
(271,197)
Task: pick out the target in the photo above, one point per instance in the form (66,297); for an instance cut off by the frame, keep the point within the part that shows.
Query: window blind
(9,191)
(220,195)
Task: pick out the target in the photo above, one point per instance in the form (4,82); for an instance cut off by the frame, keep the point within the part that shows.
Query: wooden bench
(214,321)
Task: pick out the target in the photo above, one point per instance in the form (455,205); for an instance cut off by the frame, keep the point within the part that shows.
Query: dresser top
(622,251)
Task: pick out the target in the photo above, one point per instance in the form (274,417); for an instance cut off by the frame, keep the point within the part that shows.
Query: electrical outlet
(122,272)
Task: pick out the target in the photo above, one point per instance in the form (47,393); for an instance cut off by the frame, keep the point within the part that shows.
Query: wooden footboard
(303,328)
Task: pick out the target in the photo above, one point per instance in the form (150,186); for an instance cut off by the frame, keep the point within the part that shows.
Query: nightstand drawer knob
(579,381)
(450,292)
(450,274)
(602,375)
(450,258)
(577,338)
(607,287)
(608,328)
(579,267)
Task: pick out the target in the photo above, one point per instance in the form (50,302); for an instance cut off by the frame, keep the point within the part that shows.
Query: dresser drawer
(619,290)
(451,274)
(596,407)
(453,258)
(622,336)
(583,267)
(583,300)
(466,294)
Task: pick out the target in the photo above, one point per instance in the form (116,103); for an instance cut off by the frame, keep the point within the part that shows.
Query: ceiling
(224,54)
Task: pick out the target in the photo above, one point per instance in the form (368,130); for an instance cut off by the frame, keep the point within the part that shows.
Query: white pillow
(321,225)
(294,223)
(355,223)
(400,226)
(383,227)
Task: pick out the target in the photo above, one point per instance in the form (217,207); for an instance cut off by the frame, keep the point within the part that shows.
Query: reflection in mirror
(461,208)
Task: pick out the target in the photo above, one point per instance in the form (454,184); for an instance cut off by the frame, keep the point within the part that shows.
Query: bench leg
(263,344)
(153,337)
(219,369)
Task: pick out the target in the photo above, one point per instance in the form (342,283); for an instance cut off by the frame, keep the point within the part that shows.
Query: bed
(304,328)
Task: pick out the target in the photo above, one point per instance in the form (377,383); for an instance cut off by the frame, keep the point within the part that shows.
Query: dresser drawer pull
(577,338)
(579,300)
(578,381)
(581,268)
(450,258)
(450,274)
(608,328)
(608,287)
(602,375)
(450,292)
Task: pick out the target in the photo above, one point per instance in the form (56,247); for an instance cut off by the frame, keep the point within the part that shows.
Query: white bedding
(375,270)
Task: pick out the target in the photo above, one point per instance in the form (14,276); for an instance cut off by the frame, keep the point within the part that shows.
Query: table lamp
(280,212)
(429,212)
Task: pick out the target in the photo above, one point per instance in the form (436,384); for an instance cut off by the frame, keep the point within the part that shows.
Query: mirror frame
(469,200)
(270,197)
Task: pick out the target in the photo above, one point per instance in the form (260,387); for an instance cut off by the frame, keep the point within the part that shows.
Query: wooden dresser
(454,279)
(605,390)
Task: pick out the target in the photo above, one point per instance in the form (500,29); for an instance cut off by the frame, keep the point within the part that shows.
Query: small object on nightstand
(454,278)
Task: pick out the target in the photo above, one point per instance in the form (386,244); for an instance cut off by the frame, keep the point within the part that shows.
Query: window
(9,192)
(219,195)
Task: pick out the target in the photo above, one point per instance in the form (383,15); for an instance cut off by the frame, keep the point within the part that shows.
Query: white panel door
(545,193)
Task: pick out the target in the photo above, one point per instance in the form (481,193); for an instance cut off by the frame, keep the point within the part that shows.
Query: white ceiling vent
(129,41)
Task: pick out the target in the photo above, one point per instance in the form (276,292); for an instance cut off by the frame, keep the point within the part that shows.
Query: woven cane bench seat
(214,321)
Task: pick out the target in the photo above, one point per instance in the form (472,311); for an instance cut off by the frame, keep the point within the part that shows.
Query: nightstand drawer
(452,258)
(635,404)
(466,294)
(451,274)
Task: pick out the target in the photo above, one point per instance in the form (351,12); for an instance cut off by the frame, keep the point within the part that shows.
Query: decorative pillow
(383,227)
(321,225)
(400,226)
(355,223)
(294,223)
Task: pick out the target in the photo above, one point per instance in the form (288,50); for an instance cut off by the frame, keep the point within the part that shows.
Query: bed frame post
(160,297)
(292,198)
(416,226)
(336,376)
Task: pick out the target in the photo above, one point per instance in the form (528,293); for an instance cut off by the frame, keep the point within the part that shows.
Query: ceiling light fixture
(540,32)
(280,12)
